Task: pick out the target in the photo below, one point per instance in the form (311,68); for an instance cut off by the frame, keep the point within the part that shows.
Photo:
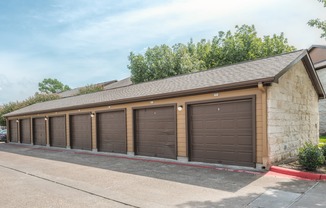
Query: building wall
(292,111)
(322,103)
(261,144)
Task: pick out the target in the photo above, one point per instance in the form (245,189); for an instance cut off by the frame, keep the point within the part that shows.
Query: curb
(297,173)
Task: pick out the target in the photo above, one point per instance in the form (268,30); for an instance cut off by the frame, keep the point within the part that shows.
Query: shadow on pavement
(210,178)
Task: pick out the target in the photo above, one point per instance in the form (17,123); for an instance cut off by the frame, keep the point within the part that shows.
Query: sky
(81,42)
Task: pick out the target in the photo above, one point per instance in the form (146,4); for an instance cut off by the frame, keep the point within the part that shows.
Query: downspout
(8,130)
(265,154)
(261,87)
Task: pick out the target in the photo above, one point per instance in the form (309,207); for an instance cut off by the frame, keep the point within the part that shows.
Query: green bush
(90,89)
(310,156)
(323,149)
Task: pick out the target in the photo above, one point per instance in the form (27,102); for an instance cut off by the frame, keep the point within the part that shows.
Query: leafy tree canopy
(318,23)
(225,48)
(52,86)
(12,106)
(90,89)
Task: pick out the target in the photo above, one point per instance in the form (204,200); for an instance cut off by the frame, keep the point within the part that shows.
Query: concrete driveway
(42,177)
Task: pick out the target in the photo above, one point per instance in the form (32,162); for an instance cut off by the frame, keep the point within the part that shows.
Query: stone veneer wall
(322,103)
(292,112)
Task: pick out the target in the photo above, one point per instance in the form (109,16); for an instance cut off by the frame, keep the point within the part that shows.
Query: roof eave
(316,46)
(313,76)
(289,66)
(305,58)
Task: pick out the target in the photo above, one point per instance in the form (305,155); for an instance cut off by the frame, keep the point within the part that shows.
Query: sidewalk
(312,197)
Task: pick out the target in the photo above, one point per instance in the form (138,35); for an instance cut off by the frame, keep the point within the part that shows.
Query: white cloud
(168,22)
(122,29)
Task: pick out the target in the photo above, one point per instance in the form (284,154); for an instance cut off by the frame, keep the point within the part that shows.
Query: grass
(322,139)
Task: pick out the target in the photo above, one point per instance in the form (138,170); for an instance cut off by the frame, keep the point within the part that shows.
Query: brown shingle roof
(75,91)
(233,76)
(122,83)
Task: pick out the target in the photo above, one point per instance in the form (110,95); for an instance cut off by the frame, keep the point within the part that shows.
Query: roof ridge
(219,67)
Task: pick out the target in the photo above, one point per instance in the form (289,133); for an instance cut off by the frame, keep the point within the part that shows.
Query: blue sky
(81,42)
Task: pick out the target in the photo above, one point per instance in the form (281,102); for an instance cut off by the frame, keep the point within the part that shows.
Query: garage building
(250,114)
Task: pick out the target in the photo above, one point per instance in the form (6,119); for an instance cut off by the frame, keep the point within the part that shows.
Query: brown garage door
(39,133)
(80,132)
(13,131)
(155,132)
(111,132)
(57,131)
(25,131)
(222,132)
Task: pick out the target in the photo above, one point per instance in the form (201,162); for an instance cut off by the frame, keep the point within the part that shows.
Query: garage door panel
(25,131)
(244,140)
(227,124)
(243,123)
(81,132)
(13,131)
(155,132)
(114,136)
(146,149)
(113,148)
(222,132)
(244,132)
(150,124)
(119,147)
(111,131)
(165,141)
(227,108)
(39,131)
(210,124)
(57,131)
(244,157)
(244,114)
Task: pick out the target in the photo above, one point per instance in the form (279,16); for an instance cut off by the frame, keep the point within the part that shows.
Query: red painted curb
(297,173)
(323,177)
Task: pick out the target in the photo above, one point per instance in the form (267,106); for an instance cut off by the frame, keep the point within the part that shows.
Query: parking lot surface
(34,176)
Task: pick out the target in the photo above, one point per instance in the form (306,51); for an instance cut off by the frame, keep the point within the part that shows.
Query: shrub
(310,156)
(12,106)
(323,149)
(90,89)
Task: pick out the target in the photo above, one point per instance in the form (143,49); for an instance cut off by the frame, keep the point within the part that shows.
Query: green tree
(52,86)
(90,89)
(318,23)
(225,48)
(12,106)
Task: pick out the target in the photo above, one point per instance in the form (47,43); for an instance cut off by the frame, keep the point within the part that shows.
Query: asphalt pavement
(35,176)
